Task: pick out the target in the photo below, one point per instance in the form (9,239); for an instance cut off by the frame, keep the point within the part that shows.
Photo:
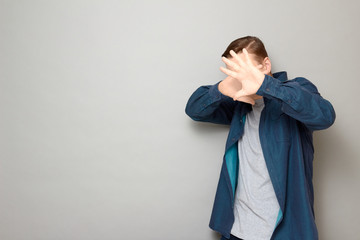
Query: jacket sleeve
(301,100)
(208,104)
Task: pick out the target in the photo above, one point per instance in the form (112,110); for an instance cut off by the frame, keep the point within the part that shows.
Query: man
(265,189)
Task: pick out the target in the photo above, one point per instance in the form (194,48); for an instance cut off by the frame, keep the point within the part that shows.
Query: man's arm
(208,104)
(301,100)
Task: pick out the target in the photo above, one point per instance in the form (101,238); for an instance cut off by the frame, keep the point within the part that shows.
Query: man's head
(256,50)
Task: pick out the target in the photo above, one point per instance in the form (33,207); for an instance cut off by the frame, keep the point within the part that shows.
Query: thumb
(246,100)
(239,94)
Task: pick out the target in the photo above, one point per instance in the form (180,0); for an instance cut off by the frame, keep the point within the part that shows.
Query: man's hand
(245,74)
(230,86)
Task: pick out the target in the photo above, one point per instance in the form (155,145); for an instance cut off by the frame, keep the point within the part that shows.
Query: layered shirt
(293,110)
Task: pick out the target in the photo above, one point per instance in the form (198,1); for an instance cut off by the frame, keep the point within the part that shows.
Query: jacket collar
(282,75)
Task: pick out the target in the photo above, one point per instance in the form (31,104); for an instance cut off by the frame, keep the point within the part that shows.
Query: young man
(265,189)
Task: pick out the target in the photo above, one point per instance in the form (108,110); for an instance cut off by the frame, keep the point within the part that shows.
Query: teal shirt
(293,110)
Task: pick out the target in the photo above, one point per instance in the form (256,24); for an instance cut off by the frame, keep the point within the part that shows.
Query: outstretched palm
(245,72)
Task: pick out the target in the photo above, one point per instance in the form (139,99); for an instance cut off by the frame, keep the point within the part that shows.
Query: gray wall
(94,140)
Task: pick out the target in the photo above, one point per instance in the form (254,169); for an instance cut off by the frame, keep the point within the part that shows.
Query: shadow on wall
(206,127)
(333,153)
(215,235)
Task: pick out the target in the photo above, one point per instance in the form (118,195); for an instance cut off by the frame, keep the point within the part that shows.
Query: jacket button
(268,89)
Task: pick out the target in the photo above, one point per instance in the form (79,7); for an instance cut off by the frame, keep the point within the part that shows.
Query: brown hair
(252,44)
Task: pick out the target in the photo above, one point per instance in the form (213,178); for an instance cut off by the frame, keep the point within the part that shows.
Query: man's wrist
(260,81)
(220,86)
(269,86)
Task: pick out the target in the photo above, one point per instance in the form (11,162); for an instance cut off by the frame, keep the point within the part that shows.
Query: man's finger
(247,57)
(246,100)
(239,94)
(237,58)
(229,62)
(251,101)
(228,72)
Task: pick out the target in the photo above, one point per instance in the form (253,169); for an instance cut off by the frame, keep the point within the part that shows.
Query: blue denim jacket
(293,110)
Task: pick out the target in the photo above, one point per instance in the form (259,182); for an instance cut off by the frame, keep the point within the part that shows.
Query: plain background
(94,139)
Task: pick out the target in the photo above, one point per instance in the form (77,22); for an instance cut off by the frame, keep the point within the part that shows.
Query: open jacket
(293,110)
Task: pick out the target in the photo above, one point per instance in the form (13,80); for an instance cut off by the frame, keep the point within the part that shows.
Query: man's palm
(230,86)
(248,76)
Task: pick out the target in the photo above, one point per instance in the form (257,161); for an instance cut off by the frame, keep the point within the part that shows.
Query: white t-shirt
(256,207)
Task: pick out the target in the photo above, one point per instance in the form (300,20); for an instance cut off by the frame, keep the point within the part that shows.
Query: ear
(267,65)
